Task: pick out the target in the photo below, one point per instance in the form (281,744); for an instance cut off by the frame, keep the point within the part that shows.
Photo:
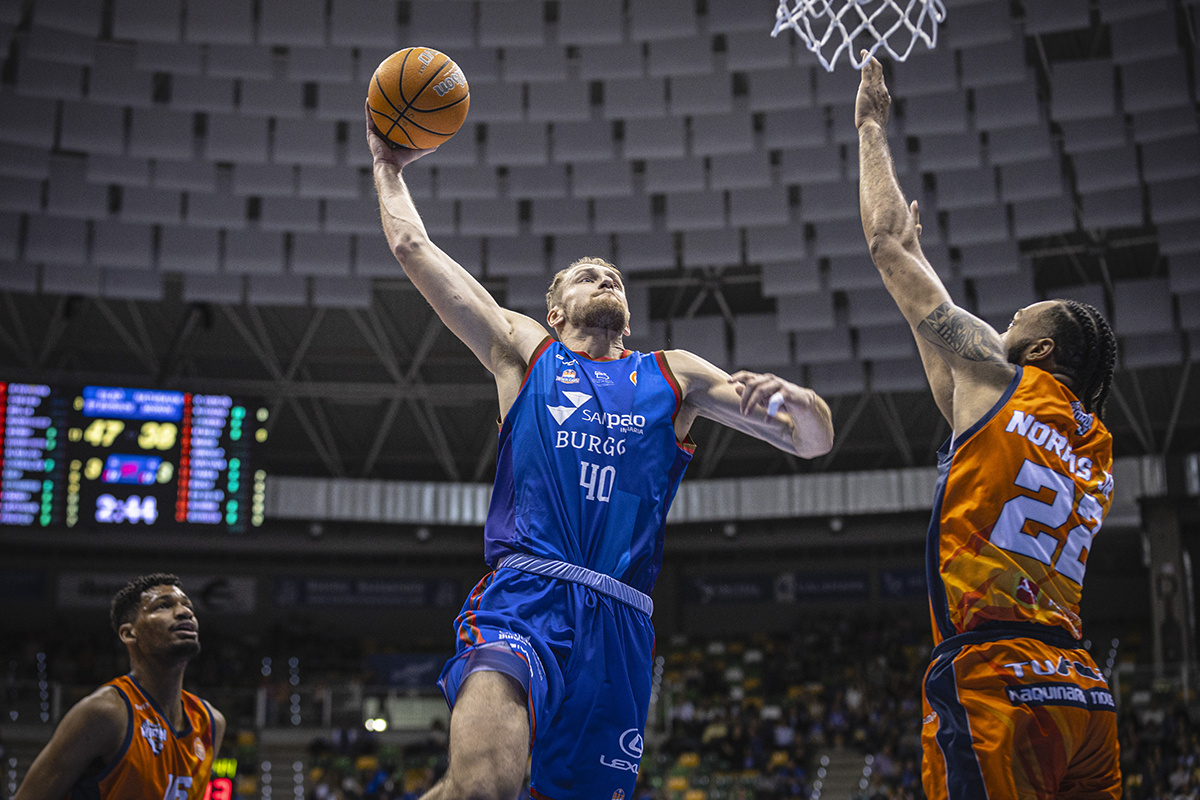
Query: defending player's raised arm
(498,337)
(94,728)
(801,425)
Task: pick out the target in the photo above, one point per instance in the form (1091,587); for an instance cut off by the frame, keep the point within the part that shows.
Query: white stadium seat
(131,284)
(219,22)
(1112,208)
(1043,217)
(509,23)
(330,292)
(712,248)
(701,94)
(622,214)
(695,210)
(148,20)
(590,23)
(1083,90)
(796,278)
(601,179)
(190,250)
(560,215)
(253,253)
(205,210)
(675,175)
(645,251)
(325,254)
(276,290)
(292,22)
(357,23)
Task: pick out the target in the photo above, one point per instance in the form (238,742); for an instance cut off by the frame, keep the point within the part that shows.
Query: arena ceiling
(185,202)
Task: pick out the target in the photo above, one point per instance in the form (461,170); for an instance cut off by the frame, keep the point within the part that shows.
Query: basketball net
(837,24)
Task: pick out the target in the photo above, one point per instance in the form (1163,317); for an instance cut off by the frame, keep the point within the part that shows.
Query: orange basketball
(418,98)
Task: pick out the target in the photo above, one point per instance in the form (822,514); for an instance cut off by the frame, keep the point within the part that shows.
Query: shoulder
(101,718)
(691,371)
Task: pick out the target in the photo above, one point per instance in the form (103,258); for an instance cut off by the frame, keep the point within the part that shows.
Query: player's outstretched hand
(772,393)
(873,103)
(383,152)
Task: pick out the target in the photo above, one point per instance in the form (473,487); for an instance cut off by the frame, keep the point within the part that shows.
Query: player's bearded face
(604,311)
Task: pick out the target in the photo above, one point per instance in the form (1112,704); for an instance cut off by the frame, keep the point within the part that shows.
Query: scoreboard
(104,456)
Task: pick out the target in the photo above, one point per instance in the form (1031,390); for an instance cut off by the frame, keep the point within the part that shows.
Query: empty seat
(80,17)
(201,93)
(991,258)
(317,63)
(635,98)
(749,50)
(765,206)
(52,79)
(680,57)
(1016,145)
(27,120)
(236,138)
(674,175)
(898,375)
(328,292)
(1031,180)
(159,133)
(488,217)
(1063,15)
(1148,36)
(1151,350)
(272,98)
(701,94)
(775,243)
(114,78)
(559,102)
(459,181)
(1178,237)
(1174,201)
(1112,208)
(797,278)
(339,101)
(292,22)
(70,195)
(534,64)
(560,215)
(1106,169)
(892,341)
(192,250)
(969,226)
(839,237)
(205,210)
(1184,269)
(623,214)
(609,61)
(1142,306)
(986,23)
(1082,136)
(781,88)
(704,336)
(926,72)
(654,138)
(186,175)
(173,57)
(1007,105)
(601,180)
(820,202)
(729,16)
(1155,83)
(662,19)
(1082,90)
(276,290)
(147,20)
(510,23)
(373,258)
(853,272)
(518,143)
(1043,217)
(55,239)
(695,210)
(219,22)
(944,112)
(253,253)
(343,182)
(710,248)
(519,255)
(740,170)
(481,66)
(71,279)
(824,346)
(355,23)
(993,63)
(502,102)
(362,216)
(869,307)
(19,161)
(267,180)
(566,248)
(467,251)
(247,62)
(10,236)
(305,142)
(131,284)
(1164,123)
(151,205)
(289,214)
(325,254)
(537,181)
(590,23)
(950,151)
(966,188)
(794,128)
(645,251)
(1171,158)
(582,142)
(92,128)
(724,133)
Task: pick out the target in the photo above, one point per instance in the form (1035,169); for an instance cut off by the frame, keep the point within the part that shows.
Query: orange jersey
(1021,494)
(156,761)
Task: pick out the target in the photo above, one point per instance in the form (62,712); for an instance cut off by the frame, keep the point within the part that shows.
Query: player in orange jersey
(141,735)
(1014,706)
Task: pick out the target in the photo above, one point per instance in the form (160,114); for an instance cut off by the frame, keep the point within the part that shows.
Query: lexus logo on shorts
(631,743)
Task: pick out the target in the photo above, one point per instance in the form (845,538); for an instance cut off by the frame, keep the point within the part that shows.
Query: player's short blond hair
(552,294)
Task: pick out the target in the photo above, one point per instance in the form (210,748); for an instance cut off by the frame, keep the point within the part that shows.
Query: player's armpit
(94,728)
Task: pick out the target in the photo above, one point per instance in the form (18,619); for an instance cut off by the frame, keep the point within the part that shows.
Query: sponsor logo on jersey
(601,379)
(633,377)
(568,376)
(619,794)
(155,734)
(631,748)
(1060,694)
(1042,435)
(1026,592)
(198,748)
(1048,666)
(562,413)
(566,361)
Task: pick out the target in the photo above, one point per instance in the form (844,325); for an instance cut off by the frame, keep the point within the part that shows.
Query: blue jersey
(588,464)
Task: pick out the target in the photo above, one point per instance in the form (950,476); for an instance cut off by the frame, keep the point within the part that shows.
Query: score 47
(103,432)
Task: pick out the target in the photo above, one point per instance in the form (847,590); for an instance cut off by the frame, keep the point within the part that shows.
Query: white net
(827,27)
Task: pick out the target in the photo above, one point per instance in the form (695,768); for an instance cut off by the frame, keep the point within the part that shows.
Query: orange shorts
(1017,718)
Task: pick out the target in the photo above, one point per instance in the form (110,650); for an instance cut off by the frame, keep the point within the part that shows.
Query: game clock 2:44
(133,509)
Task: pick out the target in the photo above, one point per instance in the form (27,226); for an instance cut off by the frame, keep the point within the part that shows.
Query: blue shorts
(586,660)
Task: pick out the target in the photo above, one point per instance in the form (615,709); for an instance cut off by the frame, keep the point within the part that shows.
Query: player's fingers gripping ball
(418,98)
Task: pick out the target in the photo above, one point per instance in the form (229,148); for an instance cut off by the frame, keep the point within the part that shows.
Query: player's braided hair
(125,602)
(1085,350)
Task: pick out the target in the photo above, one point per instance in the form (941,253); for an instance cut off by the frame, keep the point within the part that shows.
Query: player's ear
(554,316)
(1039,350)
(126,633)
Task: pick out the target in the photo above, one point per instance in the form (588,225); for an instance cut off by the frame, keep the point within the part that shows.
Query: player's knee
(490,779)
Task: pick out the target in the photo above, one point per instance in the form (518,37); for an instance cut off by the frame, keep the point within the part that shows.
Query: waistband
(1055,637)
(605,584)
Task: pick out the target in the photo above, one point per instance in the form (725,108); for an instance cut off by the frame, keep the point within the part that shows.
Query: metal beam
(18,338)
(1177,407)
(840,440)
(385,425)
(54,331)
(891,418)
(175,349)
(1142,438)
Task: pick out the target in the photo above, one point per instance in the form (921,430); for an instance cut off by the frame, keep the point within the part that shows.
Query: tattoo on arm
(961,334)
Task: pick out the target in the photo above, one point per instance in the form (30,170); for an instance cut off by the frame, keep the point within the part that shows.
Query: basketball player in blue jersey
(555,645)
